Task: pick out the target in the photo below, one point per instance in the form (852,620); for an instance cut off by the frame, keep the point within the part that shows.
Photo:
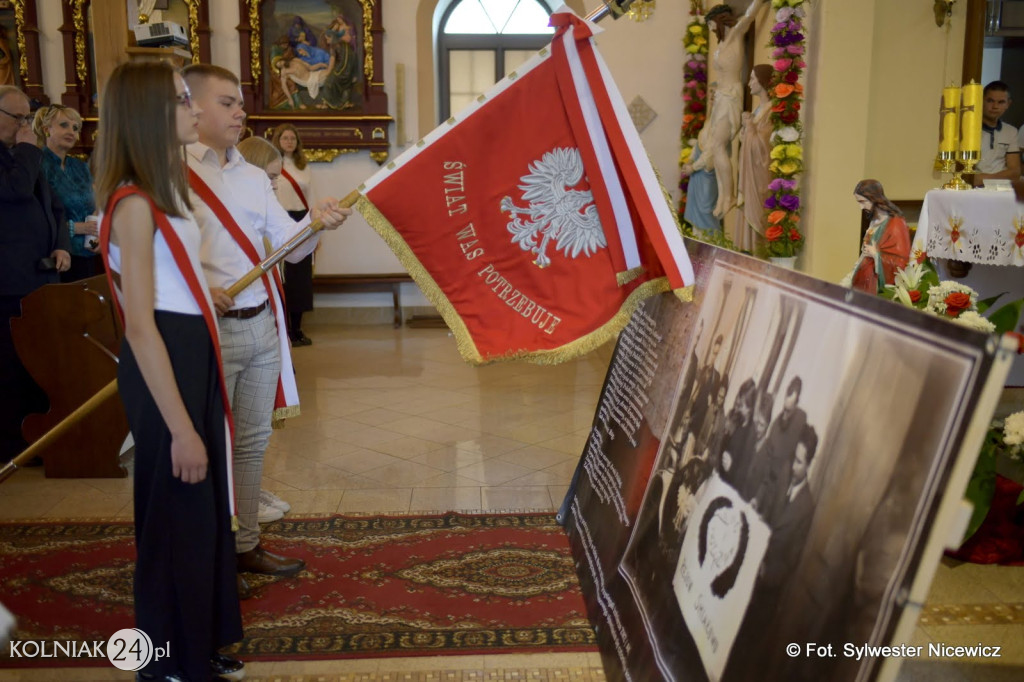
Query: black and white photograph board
(788,491)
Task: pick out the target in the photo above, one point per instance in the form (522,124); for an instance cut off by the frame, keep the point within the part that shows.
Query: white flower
(902,294)
(937,296)
(787,134)
(1013,429)
(784,14)
(973,320)
(910,276)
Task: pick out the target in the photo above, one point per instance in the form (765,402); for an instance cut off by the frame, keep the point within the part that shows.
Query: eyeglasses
(184,99)
(22,120)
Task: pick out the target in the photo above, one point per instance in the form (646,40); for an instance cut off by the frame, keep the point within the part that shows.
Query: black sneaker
(227,667)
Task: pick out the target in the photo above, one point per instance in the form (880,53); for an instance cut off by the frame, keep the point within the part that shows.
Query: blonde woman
(169,375)
(295,192)
(58,128)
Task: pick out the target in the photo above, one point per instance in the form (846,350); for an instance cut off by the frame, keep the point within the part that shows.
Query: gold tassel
(624,278)
(685,294)
(234,523)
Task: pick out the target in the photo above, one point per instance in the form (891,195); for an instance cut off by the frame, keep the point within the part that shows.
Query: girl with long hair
(169,376)
(295,192)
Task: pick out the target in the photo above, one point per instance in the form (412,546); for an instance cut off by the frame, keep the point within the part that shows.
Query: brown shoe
(259,560)
(244,588)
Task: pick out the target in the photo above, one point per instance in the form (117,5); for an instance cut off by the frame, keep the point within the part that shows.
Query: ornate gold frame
(326,134)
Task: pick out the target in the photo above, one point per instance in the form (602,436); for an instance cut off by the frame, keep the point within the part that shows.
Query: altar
(984,228)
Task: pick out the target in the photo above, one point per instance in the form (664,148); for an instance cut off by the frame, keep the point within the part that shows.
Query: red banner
(505,222)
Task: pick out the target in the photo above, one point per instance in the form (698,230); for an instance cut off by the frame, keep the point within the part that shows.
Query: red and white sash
(196,282)
(295,185)
(286,401)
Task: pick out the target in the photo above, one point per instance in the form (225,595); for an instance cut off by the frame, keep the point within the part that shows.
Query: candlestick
(949,133)
(970,118)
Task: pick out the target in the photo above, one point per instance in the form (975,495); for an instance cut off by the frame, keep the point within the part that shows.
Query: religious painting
(312,55)
(19,49)
(316,64)
(795,489)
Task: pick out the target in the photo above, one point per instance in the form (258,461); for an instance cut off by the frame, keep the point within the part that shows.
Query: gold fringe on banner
(464,340)
(624,278)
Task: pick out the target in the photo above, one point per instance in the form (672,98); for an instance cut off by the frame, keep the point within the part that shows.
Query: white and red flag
(533,220)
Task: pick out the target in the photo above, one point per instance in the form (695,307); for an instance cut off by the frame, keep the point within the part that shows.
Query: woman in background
(886,247)
(295,192)
(169,376)
(58,128)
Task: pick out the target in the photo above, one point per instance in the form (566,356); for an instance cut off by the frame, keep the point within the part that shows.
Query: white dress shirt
(245,191)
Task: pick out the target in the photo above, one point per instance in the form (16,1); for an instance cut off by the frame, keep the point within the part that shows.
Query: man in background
(1000,152)
(32,252)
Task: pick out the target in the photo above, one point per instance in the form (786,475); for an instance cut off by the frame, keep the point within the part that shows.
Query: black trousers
(185,575)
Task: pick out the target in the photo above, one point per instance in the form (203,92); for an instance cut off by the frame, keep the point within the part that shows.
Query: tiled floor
(394,421)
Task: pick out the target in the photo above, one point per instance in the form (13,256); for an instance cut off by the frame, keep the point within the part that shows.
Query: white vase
(788,262)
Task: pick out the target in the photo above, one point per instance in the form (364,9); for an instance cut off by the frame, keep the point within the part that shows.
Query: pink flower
(799,63)
(795,49)
(691,64)
(691,84)
(778,52)
(783,64)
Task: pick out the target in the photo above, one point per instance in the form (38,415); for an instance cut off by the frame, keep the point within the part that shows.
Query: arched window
(479,42)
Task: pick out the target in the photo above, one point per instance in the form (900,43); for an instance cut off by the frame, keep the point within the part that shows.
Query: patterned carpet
(374,586)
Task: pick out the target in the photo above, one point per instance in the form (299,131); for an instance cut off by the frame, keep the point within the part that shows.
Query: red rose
(915,295)
(1020,341)
(791,77)
(789,117)
(773,233)
(696,106)
(794,235)
(956,303)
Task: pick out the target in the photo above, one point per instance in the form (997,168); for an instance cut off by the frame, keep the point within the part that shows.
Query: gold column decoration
(193,28)
(19,22)
(367,37)
(641,10)
(78,19)
(254,40)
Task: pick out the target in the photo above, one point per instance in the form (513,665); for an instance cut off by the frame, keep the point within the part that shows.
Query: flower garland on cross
(695,80)
(788,42)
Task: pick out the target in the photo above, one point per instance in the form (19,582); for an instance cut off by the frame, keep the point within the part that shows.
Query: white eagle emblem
(558,209)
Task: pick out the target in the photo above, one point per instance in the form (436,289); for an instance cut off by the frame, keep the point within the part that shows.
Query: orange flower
(773,233)
(776,217)
(799,88)
(783,90)
(687,118)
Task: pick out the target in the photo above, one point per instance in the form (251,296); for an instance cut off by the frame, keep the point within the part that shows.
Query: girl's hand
(188,457)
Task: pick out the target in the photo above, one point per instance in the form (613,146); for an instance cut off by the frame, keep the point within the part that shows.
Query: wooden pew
(346,283)
(68,337)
